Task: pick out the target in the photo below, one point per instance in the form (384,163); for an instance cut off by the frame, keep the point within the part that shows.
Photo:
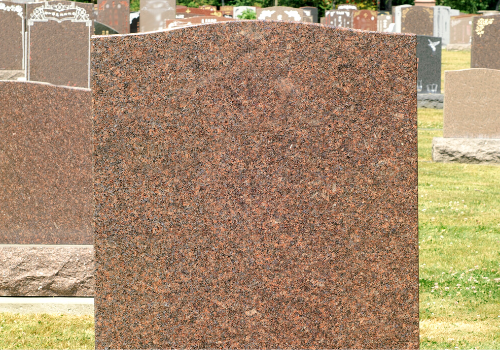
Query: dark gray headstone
(429,64)
(12,17)
(311,11)
(102,29)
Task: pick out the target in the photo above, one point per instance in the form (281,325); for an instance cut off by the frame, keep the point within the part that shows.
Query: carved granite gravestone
(461,29)
(485,44)
(246,203)
(280,13)
(188,12)
(383,22)
(102,29)
(45,164)
(365,20)
(115,14)
(311,12)
(238,10)
(12,29)
(441,28)
(227,11)
(339,18)
(417,20)
(429,64)
(58,42)
(154,13)
(396,10)
(471,128)
(188,22)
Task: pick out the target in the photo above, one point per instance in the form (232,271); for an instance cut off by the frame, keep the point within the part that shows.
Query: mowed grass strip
(453,60)
(43,331)
(459,240)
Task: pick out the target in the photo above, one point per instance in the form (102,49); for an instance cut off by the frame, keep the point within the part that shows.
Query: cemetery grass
(42,331)
(459,236)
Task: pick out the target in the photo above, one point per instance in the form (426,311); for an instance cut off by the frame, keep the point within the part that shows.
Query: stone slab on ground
(47,305)
(462,150)
(11,74)
(430,101)
(46,270)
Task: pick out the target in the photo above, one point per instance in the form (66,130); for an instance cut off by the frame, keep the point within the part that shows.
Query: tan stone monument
(471,131)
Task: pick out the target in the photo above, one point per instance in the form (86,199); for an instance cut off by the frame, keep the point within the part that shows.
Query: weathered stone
(461,150)
(435,101)
(36,270)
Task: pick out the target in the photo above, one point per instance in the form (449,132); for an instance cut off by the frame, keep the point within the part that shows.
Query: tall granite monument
(248,204)
(485,42)
(12,29)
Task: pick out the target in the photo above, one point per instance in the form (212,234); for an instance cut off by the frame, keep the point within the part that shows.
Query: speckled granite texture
(45,164)
(485,42)
(264,198)
(12,16)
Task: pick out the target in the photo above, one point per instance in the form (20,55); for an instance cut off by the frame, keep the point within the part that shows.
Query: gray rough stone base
(460,150)
(29,270)
(458,47)
(435,101)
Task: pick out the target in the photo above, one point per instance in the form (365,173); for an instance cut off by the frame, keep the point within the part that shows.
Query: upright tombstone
(429,64)
(417,20)
(154,13)
(339,18)
(280,13)
(471,128)
(12,29)
(485,44)
(188,12)
(102,29)
(46,170)
(461,30)
(58,35)
(442,17)
(383,22)
(396,11)
(115,14)
(227,11)
(365,20)
(310,11)
(273,210)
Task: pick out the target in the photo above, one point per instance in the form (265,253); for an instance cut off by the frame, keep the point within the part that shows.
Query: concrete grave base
(47,305)
(12,75)
(435,101)
(461,150)
(46,270)
(457,47)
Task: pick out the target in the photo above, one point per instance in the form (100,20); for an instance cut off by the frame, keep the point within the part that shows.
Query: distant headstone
(461,29)
(188,12)
(227,11)
(441,27)
(472,105)
(396,10)
(154,13)
(429,64)
(58,42)
(280,13)
(115,14)
(102,29)
(311,12)
(365,20)
(229,213)
(383,22)
(471,127)
(12,29)
(188,22)
(417,20)
(208,7)
(454,13)
(238,10)
(485,44)
(339,18)
(347,7)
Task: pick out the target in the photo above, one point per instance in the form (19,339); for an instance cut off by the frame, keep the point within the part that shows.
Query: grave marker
(12,29)
(442,16)
(461,29)
(417,20)
(383,22)
(154,13)
(365,20)
(429,64)
(397,17)
(251,204)
(188,22)
(311,12)
(58,35)
(339,18)
(280,13)
(115,14)
(485,52)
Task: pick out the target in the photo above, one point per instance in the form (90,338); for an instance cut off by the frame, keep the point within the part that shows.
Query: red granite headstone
(12,29)
(188,22)
(115,14)
(242,202)
(365,20)
(45,164)
(485,43)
